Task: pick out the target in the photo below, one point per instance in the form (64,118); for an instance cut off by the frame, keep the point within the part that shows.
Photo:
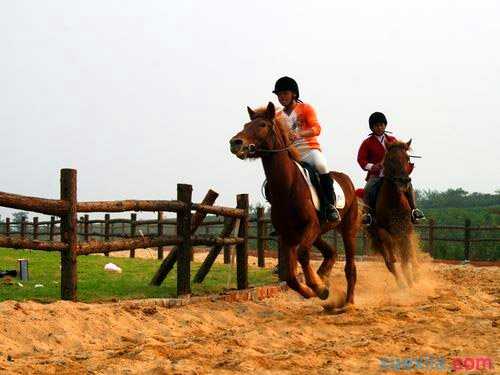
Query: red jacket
(372,152)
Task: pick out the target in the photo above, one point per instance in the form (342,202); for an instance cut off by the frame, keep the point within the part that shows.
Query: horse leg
(406,249)
(329,257)
(308,237)
(288,270)
(388,254)
(349,239)
(410,247)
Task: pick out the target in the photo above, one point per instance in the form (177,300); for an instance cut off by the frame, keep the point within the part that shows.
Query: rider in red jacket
(370,157)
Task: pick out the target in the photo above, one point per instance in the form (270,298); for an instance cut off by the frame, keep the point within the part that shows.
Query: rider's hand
(376,168)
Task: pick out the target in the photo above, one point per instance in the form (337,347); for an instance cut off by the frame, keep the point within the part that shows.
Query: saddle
(311,177)
(318,194)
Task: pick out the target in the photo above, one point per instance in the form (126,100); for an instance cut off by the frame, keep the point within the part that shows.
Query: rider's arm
(363,157)
(311,126)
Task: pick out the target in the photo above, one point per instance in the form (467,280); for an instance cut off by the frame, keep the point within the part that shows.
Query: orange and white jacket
(303,117)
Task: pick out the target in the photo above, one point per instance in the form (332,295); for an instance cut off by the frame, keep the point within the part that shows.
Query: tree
(19,215)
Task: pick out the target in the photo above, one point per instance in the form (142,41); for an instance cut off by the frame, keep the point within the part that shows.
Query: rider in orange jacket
(301,118)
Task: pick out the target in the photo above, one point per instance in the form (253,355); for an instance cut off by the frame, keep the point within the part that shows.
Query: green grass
(95,284)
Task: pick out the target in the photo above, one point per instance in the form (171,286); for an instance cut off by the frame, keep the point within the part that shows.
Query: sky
(141,95)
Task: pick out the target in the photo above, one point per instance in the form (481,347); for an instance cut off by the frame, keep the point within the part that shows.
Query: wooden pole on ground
(467,236)
(242,249)
(133,226)
(432,250)
(160,233)
(23,227)
(51,228)
(86,228)
(35,228)
(184,194)
(7,226)
(69,236)
(106,230)
(260,233)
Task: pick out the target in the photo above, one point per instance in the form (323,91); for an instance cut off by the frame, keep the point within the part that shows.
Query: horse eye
(262,124)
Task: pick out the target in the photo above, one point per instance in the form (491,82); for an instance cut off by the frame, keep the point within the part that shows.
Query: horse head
(397,164)
(263,134)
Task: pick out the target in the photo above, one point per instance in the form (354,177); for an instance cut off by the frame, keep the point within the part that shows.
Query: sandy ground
(454,311)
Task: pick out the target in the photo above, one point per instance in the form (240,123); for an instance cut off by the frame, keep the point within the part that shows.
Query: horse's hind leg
(388,246)
(329,257)
(349,238)
(288,270)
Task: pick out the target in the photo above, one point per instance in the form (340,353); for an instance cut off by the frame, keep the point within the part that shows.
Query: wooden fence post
(160,233)
(106,230)
(260,233)
(86,228)
(133,225)
(432,250)
(35,228)
(52,228)
(227,248)
(23,227)
(467,239)
(184,194)
(69,236)
(7,226)
(242,249)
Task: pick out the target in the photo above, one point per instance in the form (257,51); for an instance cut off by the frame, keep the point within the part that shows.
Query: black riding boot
(332,214)
(416,214)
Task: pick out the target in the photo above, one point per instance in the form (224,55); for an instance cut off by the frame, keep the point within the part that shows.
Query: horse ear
(270,111)
(408,144)
(251,113)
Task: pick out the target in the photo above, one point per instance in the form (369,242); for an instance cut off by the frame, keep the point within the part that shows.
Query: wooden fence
(108,228)
(67,208)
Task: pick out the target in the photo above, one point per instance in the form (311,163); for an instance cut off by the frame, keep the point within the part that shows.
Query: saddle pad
(339,193)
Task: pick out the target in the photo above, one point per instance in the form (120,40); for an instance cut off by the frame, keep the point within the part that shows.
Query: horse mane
(281,130)
(392,159)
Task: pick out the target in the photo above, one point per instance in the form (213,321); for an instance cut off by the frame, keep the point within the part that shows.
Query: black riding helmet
(286,84)
(375,118)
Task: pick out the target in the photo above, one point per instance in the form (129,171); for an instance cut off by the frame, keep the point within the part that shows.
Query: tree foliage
(456,198)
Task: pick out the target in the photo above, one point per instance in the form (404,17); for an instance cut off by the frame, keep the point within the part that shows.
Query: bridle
(252,149)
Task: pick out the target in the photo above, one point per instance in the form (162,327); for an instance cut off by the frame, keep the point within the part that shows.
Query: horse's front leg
(288,269)
(313,280)
(388,247)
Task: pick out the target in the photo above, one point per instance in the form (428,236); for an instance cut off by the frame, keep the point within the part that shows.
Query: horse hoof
(323,294)
(328,309)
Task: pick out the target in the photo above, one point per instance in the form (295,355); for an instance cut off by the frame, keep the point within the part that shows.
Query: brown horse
(292,210)
(392,233)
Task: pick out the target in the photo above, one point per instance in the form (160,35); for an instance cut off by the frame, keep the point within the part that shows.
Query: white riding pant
(316,158)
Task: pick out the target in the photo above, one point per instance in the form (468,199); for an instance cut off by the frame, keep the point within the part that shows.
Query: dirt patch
(454,311)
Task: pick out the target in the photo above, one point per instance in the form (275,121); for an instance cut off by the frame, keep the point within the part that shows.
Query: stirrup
(367,219)
(417,215)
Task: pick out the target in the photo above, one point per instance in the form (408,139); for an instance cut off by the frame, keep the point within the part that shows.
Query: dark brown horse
(392,233)
(292,211)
